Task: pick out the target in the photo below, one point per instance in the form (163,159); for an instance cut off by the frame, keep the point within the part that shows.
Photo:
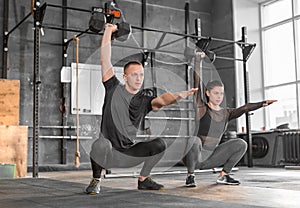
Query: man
(124,108)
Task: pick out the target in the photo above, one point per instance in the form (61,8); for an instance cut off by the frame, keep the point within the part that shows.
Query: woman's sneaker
(149,184)
(227,180)
(94,187)
(190,181)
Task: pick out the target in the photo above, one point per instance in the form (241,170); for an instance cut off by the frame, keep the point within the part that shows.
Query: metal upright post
(65,87)
(5,39)
(153,72)
(247,95)
(37,82)
(187,66)
(145,57)
(144,20)
(186,31)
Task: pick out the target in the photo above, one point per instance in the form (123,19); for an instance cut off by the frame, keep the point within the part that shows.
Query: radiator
(291,147)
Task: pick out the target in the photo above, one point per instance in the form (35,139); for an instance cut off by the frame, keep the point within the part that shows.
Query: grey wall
(168,15)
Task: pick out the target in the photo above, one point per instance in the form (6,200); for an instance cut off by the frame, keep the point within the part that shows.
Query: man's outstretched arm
(170,98)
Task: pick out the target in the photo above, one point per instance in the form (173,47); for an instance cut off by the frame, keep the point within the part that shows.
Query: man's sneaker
(94,187)
(190,181)
(149,184)
(227,180)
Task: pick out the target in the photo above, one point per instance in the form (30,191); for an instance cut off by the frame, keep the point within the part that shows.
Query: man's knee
(158,145)
(102,144)
(102,151)
(162,145)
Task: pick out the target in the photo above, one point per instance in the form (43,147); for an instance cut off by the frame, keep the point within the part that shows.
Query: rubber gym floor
(260,187)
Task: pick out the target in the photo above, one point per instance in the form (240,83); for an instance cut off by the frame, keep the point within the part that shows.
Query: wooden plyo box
(9,102)
(13,147)
(13,138)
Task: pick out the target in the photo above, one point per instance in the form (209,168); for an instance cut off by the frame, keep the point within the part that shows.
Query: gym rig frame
(38,14)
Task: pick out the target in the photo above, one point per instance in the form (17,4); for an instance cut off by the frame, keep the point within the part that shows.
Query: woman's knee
(240,144)
(194,144)
(193,150)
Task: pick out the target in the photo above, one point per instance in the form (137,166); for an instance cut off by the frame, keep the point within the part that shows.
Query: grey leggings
(227,154)
(103,155)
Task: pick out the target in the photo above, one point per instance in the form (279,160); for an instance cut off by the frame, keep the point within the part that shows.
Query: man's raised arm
(105,52)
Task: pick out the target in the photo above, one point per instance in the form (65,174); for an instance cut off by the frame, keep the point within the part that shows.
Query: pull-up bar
(152,29)
(248,47)
(81,32)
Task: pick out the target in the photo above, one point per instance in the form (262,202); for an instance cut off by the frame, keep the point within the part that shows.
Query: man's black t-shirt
(123,113)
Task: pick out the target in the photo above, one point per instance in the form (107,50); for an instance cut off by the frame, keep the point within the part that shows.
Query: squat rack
(38,14)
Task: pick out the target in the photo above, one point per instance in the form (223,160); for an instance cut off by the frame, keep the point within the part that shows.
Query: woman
(211,121)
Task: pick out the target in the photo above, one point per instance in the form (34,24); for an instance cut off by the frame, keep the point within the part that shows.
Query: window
(285,110)
(297,35)
(276,11)
(281,38)
(297,7)
(279,55)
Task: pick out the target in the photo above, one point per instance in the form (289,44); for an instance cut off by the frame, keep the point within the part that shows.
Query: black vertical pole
(187,66)
(36,79)
(65,87)
(187,22)
(153,72)
(5,39)
(144,19)
(247,95)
